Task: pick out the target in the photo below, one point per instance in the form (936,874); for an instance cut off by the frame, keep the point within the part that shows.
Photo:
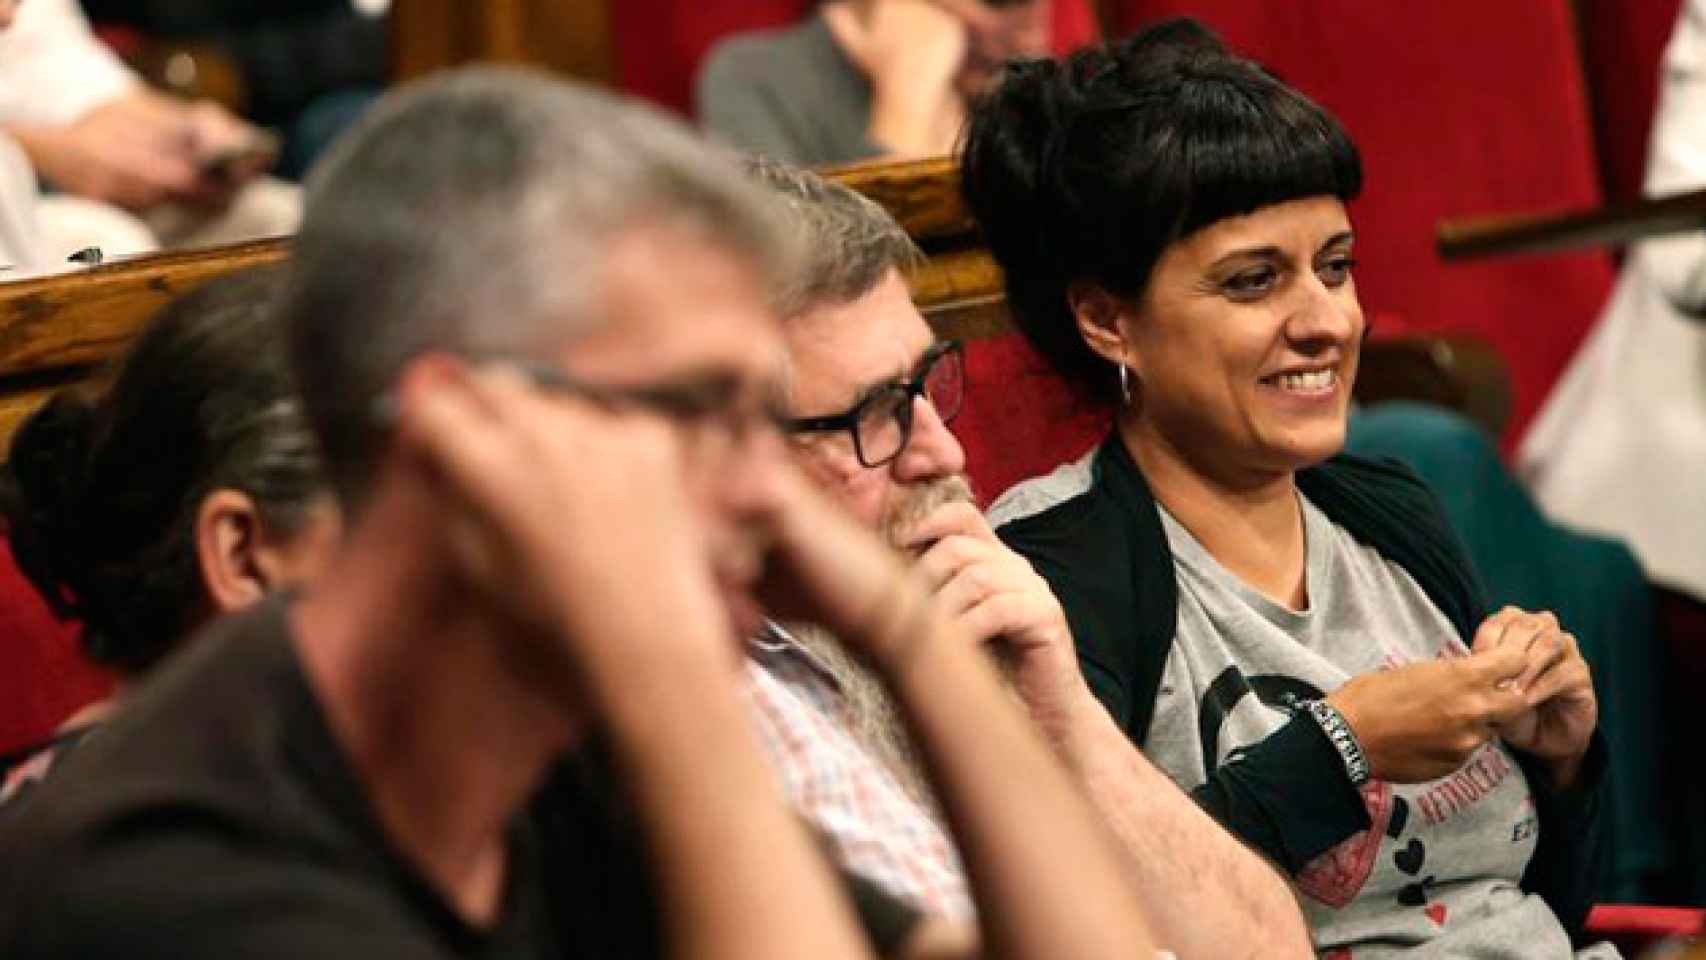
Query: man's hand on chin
(997,598)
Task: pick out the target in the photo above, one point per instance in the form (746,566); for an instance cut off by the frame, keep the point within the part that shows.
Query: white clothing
(52,67)
(1620,447)
(53,70)
(22,250)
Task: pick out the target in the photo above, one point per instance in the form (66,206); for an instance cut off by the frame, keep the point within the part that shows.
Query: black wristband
(1332,723)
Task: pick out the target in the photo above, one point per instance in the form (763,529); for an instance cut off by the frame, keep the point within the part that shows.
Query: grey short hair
(849,243)
(471,213)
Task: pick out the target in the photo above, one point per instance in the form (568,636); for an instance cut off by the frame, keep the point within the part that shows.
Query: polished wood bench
(60,330)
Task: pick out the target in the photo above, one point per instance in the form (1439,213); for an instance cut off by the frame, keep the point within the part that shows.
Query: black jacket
(1106,556)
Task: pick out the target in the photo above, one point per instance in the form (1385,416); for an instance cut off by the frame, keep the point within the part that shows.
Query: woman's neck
(1250,522)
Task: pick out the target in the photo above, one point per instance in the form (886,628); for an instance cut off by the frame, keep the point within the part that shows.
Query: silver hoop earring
(1125,385)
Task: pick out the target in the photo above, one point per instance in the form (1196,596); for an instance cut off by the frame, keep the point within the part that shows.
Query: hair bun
(1171,40)
(41,494)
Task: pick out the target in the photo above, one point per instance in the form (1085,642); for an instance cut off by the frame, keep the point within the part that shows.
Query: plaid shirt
(877,829)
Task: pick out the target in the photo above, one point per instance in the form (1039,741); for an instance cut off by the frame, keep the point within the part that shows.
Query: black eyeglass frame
(914,388)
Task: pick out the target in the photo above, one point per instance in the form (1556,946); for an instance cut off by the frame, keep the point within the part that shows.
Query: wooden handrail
(1608,226)
(922,195)
(84,318)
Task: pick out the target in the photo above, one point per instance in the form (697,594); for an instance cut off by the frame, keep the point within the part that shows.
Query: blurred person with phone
(134,168)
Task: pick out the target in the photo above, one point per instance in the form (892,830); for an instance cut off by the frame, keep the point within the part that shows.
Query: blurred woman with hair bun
(186,487)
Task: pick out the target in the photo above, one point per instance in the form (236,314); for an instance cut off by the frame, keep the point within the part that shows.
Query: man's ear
(1099,315)
(237,564)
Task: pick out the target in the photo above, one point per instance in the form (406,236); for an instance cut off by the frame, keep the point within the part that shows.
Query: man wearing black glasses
(870,394)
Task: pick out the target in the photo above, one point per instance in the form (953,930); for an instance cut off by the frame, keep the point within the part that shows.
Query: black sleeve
(1288,795)
(1569,859)
(887,921)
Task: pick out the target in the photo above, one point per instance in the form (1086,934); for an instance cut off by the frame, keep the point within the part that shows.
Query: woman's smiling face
(1245,343)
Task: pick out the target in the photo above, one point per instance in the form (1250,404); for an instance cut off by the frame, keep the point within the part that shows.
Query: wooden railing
(570,38)
(1608,226)
(60,330)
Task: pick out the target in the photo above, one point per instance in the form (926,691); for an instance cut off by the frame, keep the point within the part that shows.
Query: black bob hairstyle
(1086,170)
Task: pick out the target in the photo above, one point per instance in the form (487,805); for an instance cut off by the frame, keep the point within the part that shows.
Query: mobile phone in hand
(243,161)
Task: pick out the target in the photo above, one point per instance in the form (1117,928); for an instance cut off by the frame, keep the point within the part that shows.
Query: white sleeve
(52,67)
(1676,160)
(22,251)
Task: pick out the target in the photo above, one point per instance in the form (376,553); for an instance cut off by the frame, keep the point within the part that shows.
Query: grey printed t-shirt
(1437,874)
(790,94)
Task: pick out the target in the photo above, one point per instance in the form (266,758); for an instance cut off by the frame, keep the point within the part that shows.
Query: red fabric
(1460,107)
(1610,919)
(659,43)
(1623,42)
(125,41)
(1020,419)
(1074,25)
(1635,929)
(44,677)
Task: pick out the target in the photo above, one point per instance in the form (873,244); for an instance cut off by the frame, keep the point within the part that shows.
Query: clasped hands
(1524,681)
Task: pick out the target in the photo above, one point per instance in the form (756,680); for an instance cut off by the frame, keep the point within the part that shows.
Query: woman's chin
(1302,449)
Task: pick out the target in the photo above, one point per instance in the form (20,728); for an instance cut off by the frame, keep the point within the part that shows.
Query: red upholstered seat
(1460,107)
(659,42)
(43,674)
(1020,419)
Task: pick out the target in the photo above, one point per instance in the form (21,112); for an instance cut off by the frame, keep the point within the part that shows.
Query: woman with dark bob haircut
(185,488)
(1291,633)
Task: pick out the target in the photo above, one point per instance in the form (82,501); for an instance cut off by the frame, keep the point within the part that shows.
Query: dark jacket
(1106,556)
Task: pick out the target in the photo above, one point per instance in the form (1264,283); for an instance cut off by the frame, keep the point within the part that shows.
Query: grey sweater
(790,94)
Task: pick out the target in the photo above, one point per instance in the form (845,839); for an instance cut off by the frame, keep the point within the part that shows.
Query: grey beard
(877,720)
(920,501)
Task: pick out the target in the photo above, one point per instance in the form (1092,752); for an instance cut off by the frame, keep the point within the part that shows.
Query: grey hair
(849,242)
(471,213)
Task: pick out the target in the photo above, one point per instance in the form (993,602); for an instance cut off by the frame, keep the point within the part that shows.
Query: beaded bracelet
(1333,724)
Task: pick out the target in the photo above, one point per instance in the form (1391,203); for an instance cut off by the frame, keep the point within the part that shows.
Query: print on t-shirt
(1439,870)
